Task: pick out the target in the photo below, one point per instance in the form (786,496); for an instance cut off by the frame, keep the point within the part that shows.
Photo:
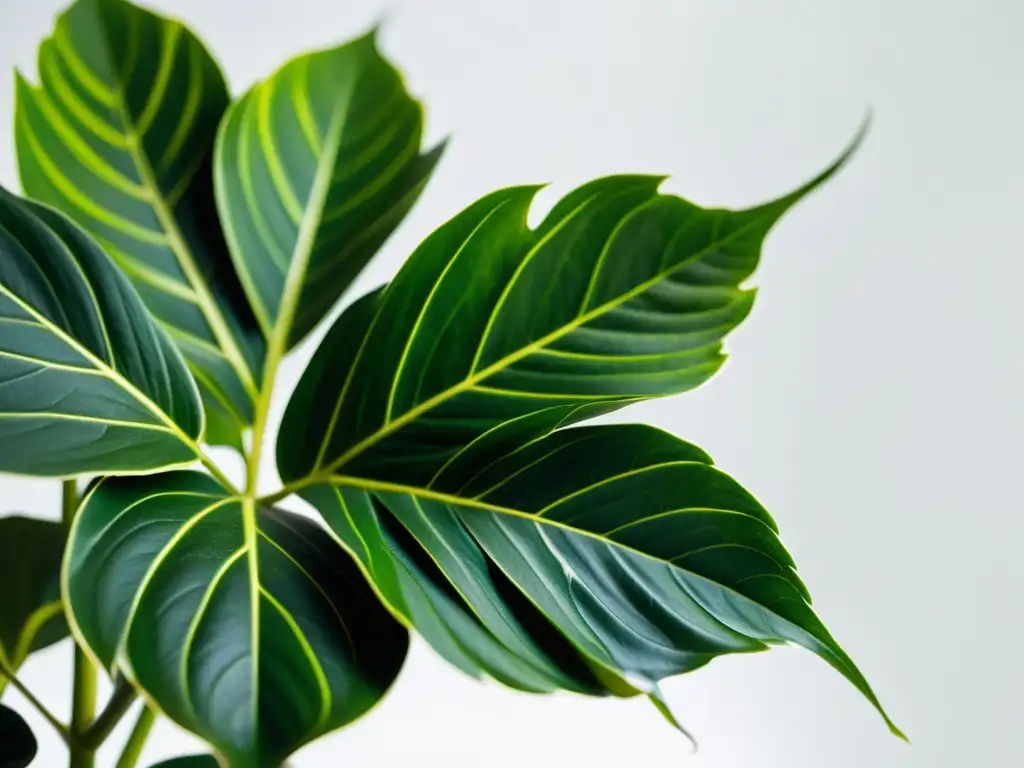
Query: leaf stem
(118,704)
(83,698)
(214,470)
(20,687)
(137,740)
(285,491)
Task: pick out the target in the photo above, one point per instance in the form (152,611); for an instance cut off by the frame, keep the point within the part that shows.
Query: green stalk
(120,702)
(7,673)
(137,740)
(83,698)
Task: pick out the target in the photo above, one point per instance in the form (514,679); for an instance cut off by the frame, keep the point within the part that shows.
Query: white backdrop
(873,400)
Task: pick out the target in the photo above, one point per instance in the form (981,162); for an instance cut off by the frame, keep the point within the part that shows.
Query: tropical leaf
(314,169)
(17,743)
(31,613)
(249,627)
(650,561)
(88,383)
(119,135)
(620,294)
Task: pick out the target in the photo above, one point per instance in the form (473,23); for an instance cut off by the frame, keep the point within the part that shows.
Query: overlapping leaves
(430,430)
(88,383)
(119,135)
(249,627)
(434,429)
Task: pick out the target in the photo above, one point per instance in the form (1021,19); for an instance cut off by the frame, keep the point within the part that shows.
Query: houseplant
(173,246)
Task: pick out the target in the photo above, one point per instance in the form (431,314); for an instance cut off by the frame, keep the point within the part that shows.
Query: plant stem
(7,672)
(137,740)
(83,697)
(120,701)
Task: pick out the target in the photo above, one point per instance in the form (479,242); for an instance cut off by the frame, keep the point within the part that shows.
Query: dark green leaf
(314,169)
(192,761)
(648,559)
(31,613)
(119,135)
(620,294)
(88,383)
(250,628)
(17,744)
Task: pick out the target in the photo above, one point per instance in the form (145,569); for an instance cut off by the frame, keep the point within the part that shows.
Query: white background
(873,400)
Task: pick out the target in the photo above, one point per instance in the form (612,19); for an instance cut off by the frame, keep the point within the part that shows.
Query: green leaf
(648,559)
(31,613)
(17,744)
(620,294)
(119,135)
(88,383)
(192,761)
(314,168)
(249,627)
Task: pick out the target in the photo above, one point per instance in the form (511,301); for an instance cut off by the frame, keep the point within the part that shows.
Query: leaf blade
(620,294)
(258,652)
(119,135)
(88,383)
(648,559)
(315,166)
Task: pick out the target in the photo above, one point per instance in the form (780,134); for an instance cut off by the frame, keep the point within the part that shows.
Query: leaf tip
(657,698)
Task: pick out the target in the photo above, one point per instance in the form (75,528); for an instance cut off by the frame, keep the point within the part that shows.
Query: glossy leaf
(119,135)
(250,628)
(17,743)
(88,383)
(192,761)
(31,613)
(620,294)
(650,561)
(314,169)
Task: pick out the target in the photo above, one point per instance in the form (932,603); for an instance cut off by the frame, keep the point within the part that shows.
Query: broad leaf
(17,743)
(620,294)
(192,761)
(645,557)
(119,135)
(31,613)
(249,627)
(88,383)
(314,169)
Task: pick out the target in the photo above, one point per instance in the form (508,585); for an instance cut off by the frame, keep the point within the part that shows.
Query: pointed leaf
(647,558)
(315,167)
(17,744)
(250,628)
(31,613)
(88,383)
(119,135)
(620,294)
